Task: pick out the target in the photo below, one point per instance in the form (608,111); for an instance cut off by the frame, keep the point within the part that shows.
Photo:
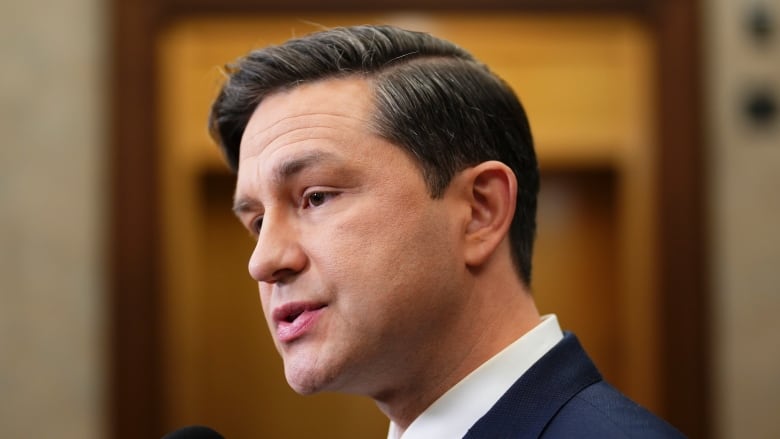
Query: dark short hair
(432,99)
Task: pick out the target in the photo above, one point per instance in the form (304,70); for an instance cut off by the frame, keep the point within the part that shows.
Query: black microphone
(193,432)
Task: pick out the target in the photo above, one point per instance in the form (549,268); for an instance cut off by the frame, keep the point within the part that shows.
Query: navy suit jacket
(563,396)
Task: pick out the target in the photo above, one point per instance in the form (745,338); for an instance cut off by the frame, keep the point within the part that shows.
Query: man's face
(358,268)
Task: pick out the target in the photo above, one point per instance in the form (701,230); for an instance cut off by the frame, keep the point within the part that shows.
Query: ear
(493,196)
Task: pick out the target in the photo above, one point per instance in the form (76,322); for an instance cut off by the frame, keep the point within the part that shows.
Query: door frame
(134,393)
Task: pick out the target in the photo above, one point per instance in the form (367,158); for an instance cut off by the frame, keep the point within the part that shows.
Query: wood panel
(134,400)
(682,219)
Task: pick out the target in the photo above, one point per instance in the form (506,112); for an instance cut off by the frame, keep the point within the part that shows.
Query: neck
(496,313)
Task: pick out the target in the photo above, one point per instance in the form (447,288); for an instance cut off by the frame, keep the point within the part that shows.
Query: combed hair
(432,99)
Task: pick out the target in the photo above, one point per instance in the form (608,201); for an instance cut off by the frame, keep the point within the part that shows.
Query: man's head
(431,98)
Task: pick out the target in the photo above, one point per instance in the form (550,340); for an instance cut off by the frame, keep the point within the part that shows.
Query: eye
(256,225)
(316,198)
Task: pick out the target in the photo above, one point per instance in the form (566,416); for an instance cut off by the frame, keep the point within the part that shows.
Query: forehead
(314,129)
(326,108)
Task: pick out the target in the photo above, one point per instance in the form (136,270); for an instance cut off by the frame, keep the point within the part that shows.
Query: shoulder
(600,411)
(563,396)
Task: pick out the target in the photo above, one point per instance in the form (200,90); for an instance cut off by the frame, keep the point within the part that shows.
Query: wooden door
(586,83)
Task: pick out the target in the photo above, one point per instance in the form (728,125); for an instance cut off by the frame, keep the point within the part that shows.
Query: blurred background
(125,306)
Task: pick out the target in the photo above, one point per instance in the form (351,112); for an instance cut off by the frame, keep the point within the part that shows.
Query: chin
(303,390)
(306,381)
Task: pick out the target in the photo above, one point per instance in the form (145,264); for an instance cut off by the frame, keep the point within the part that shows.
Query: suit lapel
(526,408)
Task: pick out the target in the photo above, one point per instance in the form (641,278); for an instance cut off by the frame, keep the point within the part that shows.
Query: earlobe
(493,196)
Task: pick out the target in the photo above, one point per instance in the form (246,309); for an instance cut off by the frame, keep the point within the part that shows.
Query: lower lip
(287,332)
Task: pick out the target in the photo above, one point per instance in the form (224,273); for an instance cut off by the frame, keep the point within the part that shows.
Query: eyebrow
(283,172)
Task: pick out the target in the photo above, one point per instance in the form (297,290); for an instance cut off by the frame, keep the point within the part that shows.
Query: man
(390,180)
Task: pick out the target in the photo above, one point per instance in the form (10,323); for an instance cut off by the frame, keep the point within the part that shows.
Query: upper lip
(290,311)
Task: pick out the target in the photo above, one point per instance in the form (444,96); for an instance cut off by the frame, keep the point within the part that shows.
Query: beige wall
(745,227)
(52,191)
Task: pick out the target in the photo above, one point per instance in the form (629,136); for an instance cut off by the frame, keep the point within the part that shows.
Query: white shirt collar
(464,404)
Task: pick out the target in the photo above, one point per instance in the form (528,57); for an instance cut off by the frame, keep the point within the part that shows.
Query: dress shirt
(464,404)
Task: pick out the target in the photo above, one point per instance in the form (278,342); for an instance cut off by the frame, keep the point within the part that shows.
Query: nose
(278,255)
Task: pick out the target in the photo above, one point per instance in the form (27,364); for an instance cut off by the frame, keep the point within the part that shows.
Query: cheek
(371,234)
(391,247)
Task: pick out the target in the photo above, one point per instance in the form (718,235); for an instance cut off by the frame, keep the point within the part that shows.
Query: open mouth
(290,312)
(295,320)
(291,318)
